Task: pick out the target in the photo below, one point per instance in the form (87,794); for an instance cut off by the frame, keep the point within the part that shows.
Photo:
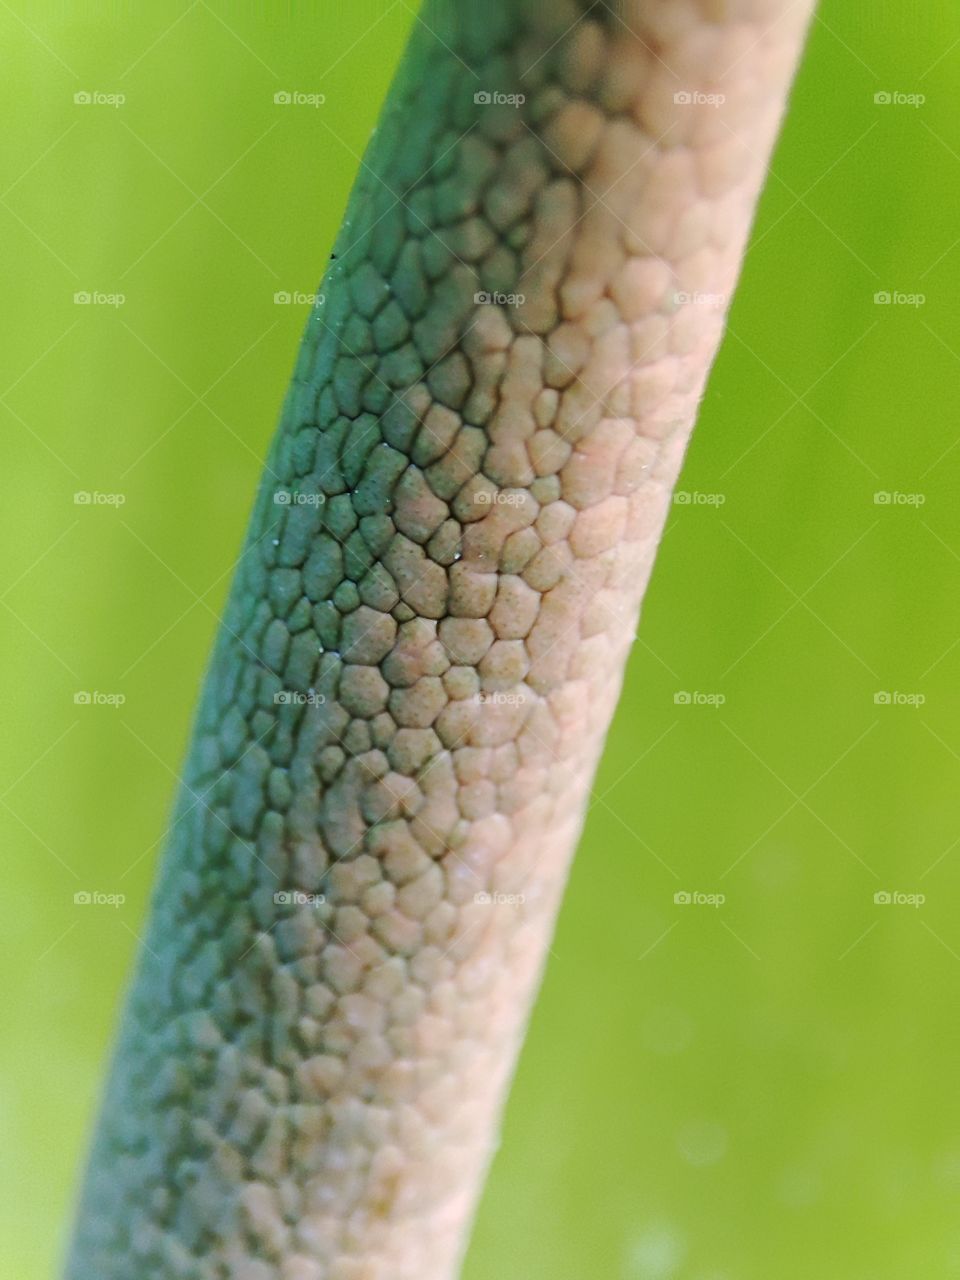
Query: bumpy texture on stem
(426,638)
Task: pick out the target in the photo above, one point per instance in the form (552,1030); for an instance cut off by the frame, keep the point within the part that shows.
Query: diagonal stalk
(426,638)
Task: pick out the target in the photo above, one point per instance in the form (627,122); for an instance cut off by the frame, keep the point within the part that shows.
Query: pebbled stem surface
(426,637)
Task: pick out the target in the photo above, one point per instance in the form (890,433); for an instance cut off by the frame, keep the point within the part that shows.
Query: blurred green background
(762,1088)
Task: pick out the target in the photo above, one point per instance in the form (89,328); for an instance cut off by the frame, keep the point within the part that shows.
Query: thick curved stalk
(426,638)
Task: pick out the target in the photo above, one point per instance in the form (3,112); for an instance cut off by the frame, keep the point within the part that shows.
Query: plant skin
(426,638)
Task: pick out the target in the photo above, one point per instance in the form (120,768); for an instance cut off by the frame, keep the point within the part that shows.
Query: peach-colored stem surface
(426,638)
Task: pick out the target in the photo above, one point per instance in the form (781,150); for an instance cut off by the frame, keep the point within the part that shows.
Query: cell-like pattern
(426,637)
